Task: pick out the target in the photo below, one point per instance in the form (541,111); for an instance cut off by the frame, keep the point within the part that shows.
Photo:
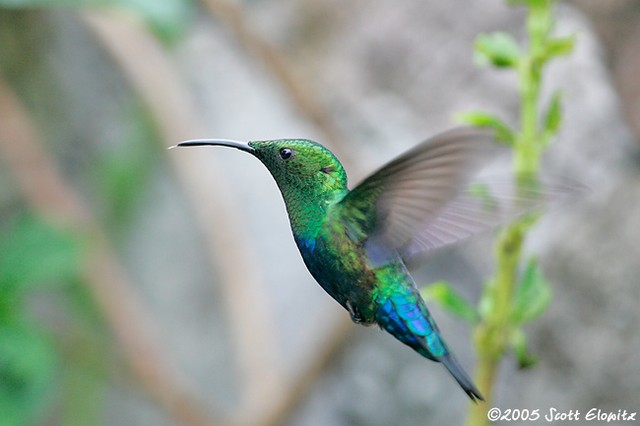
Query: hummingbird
(357,243)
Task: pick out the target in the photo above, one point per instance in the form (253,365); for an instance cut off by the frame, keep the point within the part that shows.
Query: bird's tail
(458,373)
(404,314)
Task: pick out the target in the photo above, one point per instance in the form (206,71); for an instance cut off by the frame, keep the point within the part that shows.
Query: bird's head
(299,166)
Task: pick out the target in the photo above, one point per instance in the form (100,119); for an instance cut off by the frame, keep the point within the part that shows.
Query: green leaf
(486,304)
(560,46)
(27,364)
(504,134)
(519,345)
(553,117)
(531,3)
(448,298)
(498,49)
(33,252)
(533,294)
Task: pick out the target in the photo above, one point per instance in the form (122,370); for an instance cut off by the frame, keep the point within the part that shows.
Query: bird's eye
(286,153)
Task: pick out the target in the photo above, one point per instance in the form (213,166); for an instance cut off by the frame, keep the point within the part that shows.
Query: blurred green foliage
(123,174)
(39,260)
(34,257)
(167,18)
(448,298)
(32,253)
(27,363)
(42,366)
(55,353)
(498,49)
(532,295)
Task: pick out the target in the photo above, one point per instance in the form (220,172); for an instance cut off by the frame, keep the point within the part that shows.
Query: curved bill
(243,146)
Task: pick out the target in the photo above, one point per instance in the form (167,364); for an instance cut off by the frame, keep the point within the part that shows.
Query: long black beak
(242,146)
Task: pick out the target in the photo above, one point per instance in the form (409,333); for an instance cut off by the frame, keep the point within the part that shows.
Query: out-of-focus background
(152,287)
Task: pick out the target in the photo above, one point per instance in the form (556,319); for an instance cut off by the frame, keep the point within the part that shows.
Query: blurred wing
(480,206)
(486,203)
(391,207)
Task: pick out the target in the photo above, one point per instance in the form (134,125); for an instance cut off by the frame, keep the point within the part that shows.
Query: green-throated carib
(355,242)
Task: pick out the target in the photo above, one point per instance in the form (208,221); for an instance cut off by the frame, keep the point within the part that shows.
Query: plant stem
(492,334)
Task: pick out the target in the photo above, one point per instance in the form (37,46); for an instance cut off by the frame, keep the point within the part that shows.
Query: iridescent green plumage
(355,243)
